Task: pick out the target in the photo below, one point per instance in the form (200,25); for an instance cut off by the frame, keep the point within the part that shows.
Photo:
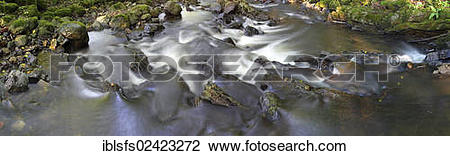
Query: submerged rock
(17,81)
(217,96)
(77,35)
(270,104)
(250,31)
(18,125)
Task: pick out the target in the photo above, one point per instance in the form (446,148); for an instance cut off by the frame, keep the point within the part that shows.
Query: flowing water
(415,105)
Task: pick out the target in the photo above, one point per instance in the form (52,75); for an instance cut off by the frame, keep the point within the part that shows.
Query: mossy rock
(46,28)
(140,9)
(5,20)
(23,25)
(217,96)
(21,40)
(172,8)
(29,11)
(77,34)
(8,7)
(429,25)
(117,6)
(63,12)
(270,104)
(154,12)
(148,2)
(77,10)
(120,21)
(43,59)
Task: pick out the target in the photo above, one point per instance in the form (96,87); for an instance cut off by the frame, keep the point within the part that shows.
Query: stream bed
(416,105)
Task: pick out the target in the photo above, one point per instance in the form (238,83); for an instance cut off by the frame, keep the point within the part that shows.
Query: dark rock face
(250,31)
(439,57)
(76,34)
(270,103)
(16,82)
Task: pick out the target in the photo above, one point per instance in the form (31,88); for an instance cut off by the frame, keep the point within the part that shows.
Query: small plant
(434,12)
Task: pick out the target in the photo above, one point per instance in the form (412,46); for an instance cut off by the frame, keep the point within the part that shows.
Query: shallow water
(415,105)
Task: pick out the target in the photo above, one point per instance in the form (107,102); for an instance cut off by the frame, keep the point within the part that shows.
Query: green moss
(120,21)
(77,10)
(272,104)
(155,11)
(46,28)
(6,19)
(76,22)
(140,9)
(28,11)
(117,6)
(23,25)
(63,12)
(429,25)
(8,7)
(217,96)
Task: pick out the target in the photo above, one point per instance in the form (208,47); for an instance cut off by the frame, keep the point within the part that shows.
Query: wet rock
(3,91)
(250,31)
(229,40)
(18,125)
(442,71)
(17,81)
(270,104)
(21,40)
(100,23)
(8,104)
(217,96)
(153,28)
(229,7)
(77,35)
(172,9)
(24,25)
(438,57)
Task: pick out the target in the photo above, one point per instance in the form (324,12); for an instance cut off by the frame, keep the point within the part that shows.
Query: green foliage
(117,6)
(28,10)
(46,28)
(77,10)
(6,19)
(24,25)
(63,12)
(8,7)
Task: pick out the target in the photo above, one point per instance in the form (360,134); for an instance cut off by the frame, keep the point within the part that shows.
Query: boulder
(21,40)
(16,81)
(172,9)
(250,31)
(120,22)
(77,35)
(270,104)
(229,7)
(442,71)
